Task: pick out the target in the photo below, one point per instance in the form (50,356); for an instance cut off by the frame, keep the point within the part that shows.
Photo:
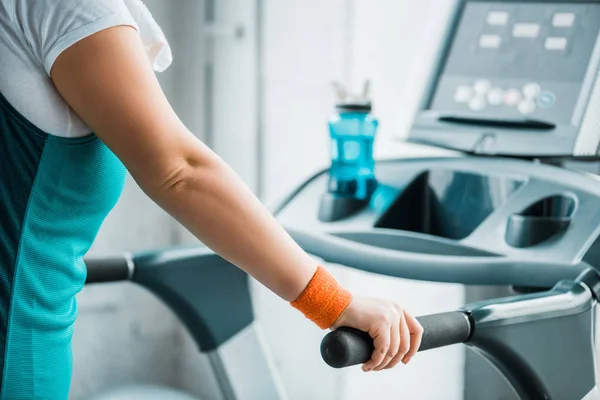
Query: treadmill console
(516,78)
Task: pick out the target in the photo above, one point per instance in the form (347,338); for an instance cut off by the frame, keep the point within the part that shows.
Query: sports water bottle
(352,132)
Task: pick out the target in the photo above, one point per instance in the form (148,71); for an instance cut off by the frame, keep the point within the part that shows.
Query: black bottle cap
(354,107)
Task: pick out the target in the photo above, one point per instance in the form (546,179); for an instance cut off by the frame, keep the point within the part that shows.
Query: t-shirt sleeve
(52,26)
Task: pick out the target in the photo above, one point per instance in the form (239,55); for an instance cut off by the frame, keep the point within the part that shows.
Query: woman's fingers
(416,334)
(404,347)
(405,336)
(396,334)
(392,353)
(381,341)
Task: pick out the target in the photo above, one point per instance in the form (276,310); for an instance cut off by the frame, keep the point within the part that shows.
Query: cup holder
(446,203)
(540,221)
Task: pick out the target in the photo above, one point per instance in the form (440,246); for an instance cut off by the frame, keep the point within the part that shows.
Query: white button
(495,96)
(490,41)
(463,94)
(482,86)
(563,20)
(556,43)
(526,107)
(512,97)
(526,30)
(477,103)
(497,18)
(531,90)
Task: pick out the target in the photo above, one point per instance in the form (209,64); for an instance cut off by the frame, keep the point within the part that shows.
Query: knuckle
(383,350)
(419,330)
(404,347)
(386,319)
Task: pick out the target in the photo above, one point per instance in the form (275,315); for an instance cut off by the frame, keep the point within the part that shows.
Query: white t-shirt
(33,33)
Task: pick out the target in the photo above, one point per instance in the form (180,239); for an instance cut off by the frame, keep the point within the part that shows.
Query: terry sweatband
(323,300)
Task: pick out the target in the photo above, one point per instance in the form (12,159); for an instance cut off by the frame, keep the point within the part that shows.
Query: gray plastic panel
(566,77)
(483,256)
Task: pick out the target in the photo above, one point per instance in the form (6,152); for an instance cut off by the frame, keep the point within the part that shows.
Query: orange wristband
(323,300)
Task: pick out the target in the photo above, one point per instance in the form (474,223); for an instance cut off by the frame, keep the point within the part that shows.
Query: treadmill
(516,89)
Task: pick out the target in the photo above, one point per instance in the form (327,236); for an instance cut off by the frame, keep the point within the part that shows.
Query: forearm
(212,202)
(108,81)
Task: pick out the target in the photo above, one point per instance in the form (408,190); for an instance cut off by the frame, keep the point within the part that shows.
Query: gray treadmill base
(144,392)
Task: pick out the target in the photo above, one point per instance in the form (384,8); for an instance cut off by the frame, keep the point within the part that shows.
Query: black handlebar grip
(444,329)
(108,269)
(345,347)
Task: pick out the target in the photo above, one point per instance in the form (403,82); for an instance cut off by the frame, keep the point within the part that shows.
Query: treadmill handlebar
(113,269)
(467,270)
(346,347)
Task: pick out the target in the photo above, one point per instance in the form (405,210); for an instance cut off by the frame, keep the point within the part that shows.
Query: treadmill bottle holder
(447,203)
(544,219)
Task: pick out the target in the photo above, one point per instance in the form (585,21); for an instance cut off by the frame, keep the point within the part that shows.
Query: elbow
(176,179)
(184,176)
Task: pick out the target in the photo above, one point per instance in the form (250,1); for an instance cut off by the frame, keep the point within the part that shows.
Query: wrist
(323,300)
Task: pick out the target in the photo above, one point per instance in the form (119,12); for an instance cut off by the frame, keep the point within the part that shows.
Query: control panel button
(546,99)
(482,86)
(531,90)
(563,20)
(555,43)
(526,30)
(512,97)
(526,106)
(498,18)
(477,103)
(495,96)
(463,94)
(490,41)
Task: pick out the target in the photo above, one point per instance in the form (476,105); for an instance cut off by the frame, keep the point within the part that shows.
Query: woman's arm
(108,81)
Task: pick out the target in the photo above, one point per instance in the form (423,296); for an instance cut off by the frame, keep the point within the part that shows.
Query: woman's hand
(396,333)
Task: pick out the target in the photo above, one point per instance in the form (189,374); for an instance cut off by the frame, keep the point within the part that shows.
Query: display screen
(519,59)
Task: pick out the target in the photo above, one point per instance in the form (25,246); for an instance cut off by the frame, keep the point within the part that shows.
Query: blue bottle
(352,130)
(352,180)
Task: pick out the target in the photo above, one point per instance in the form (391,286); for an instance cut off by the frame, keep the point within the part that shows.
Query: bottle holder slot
(544,219)
(446,203)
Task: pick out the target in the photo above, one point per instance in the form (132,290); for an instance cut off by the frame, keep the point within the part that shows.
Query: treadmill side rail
(537,348)
(209,295)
